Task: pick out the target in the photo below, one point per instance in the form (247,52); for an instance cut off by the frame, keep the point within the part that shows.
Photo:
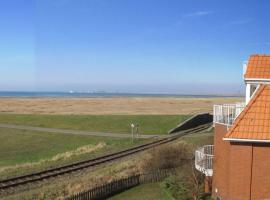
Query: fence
(227,113)
(117,186)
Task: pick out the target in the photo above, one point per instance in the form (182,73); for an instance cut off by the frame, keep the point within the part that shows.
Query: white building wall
(248,93)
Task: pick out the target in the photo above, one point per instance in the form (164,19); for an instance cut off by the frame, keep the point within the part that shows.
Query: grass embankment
(148,124)
(27,150)
(200,139)
(145,192)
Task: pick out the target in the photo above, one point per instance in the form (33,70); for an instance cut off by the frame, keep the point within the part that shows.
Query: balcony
(227,113)
(204,159)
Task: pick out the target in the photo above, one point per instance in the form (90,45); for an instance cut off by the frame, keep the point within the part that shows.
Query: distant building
(237,167)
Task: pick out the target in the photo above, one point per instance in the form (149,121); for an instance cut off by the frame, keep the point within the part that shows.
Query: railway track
(66,169)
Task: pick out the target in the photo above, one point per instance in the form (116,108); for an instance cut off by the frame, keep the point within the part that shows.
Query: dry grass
(100,106)
(71,184)
(61,156)
(167,156)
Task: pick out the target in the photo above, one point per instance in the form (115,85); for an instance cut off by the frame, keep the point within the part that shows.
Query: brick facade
(241,170)
(221,164)
(260,188)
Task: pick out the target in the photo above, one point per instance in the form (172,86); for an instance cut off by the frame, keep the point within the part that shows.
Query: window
(252,89)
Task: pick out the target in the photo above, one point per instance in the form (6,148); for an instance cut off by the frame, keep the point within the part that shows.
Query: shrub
(167,156)
(187,184)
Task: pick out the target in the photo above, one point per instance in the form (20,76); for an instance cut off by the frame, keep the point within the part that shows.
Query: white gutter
(245,140)
(258,80)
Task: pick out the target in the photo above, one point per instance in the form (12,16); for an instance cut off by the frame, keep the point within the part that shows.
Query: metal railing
(227,113)
(204,159)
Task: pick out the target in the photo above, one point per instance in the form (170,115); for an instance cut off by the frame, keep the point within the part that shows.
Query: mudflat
(112,106)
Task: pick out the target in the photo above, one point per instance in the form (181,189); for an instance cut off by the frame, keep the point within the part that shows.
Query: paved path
(76,132)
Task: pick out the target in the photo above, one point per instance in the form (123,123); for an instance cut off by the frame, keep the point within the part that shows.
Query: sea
(100,94)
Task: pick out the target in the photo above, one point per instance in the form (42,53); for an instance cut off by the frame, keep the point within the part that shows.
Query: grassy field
(151,191)
(81,181)
(112,106)
(148,124)
(29,150)
(25,151)
(29,146)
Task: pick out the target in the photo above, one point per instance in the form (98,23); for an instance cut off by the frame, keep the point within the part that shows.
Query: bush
(167,156)
(187,184)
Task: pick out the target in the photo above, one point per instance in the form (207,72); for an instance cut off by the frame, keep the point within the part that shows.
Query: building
(237,167)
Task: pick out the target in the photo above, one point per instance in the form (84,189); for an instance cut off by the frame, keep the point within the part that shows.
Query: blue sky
(147,46)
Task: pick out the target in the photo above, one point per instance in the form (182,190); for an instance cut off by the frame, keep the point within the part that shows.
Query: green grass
(149,124)
(151,191)
(20,147)
(200,139)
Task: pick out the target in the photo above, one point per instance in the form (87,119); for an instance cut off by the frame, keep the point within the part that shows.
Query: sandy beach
(117,105)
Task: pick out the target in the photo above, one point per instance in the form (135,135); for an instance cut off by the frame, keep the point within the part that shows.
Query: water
(98,94)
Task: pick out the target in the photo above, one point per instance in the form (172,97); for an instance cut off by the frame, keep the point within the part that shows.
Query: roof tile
(258,67)
(254,122)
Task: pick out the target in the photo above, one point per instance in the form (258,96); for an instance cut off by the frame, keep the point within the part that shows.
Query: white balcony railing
(227,113)
(204,159)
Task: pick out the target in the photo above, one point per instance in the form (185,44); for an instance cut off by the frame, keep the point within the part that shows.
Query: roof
(258,67)
(253,124)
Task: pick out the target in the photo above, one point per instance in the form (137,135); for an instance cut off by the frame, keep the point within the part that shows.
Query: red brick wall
(221,164)
(260,188)
(241,170)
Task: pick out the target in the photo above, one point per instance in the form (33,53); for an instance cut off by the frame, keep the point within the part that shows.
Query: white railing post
(227,113)
(204,159)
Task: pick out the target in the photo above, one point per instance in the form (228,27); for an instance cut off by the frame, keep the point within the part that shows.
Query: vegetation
(89,178)
(22,147)
(167,156)
(200,139)
(65,186)
(148,124)
(187,184)
(145,192)
(27,150)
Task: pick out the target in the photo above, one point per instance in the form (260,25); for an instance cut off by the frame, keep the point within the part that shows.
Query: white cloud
(197,14)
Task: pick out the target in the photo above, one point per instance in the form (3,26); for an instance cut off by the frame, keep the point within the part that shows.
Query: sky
(142,46)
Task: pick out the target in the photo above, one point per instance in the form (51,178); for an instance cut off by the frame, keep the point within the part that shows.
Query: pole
(132,131)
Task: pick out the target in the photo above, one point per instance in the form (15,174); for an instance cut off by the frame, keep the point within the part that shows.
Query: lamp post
(132,131)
